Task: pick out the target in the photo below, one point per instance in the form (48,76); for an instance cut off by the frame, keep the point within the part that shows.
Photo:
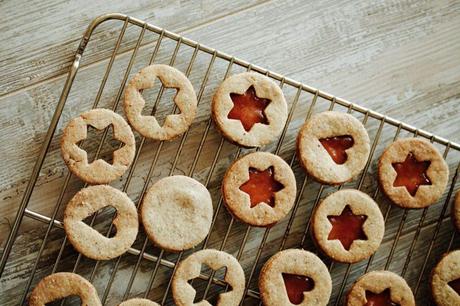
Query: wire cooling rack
(414,239)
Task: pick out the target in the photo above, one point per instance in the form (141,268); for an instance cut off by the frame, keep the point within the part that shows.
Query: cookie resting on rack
(445,280)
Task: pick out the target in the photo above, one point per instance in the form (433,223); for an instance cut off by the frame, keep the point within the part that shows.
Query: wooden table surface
(400,58)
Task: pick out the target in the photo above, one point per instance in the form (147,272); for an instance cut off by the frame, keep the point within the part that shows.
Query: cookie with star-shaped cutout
(98,171)
(249,109)
(412,173)
(380,288)
(259,189)
(348,226)
(445,280)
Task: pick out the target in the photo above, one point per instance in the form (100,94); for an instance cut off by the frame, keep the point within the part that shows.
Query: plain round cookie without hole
(185,99)
(271,119)
(445,280)
(60,285)
(349,209)
(341,133)
(99,171)
(429,164)
(456,211)
(177,213)
(259,189)
(379,283)
(294,262)
(138,302)
(190,268)
(89,241)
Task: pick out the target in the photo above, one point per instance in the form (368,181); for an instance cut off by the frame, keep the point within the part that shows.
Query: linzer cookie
(177,212)
(249,109)
(445,280)
(60,285)
(89,241)
(138,302)
(259,189)
(348,226)
(333,147)
(412,173)
(455,214)
(185,99)
(381,288)
(295,277)
(190,268)
(99,171)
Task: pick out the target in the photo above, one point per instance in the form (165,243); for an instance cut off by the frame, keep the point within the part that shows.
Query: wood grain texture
(400,58)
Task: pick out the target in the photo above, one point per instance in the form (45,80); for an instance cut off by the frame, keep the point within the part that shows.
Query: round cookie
(348,226)
(60,285)
(190,268)
(89,241)
(456,211)
(259,189)
(99,171)
(138,302)
(295,277)
(177,213)
(445,280)
(249,109)
(380,286)
(333,147)
(185,100)
(412,173)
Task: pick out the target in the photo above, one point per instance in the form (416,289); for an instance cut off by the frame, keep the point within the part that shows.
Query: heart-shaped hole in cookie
(296,285)
(93,139)
(379,299)
(248,108)
(102,220)
(411,174)
(336,147)
(204,287)
(455,284)
(347,227)
(262,186)
(159,102)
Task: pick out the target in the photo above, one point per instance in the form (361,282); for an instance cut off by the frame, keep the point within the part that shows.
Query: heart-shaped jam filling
(455,284)
(411,174)
(248,108)
(347,227)
(379,299)
(296,285)
(336,147)
(262,186)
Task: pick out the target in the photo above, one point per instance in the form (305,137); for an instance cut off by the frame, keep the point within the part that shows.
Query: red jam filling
(296,285)
(411,174)
(347,227)
(336,147)
(455,284)
(262,186)
(379,299)
(248,108)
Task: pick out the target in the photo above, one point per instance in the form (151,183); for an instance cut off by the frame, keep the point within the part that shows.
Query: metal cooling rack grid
(315,100)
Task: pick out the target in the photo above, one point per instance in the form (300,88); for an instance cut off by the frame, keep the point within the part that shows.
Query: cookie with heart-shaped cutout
(445,280)
(295,277)
(333,147)
(99,171)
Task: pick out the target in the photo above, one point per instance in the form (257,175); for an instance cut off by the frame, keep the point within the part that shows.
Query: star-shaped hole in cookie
(248,108)
(347,227)
(94,136)
(262,186)
(202,284)
(163,98)
(411,174)
(296,285)
(455,284)
(379,299)
(336,147)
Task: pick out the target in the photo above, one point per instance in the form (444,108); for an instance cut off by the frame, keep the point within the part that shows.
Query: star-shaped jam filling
(411,174)
(336,147)
(93,134)
(379,299)
(455,284)
(296,285)
(347,227)
(248,108)
(261,186)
